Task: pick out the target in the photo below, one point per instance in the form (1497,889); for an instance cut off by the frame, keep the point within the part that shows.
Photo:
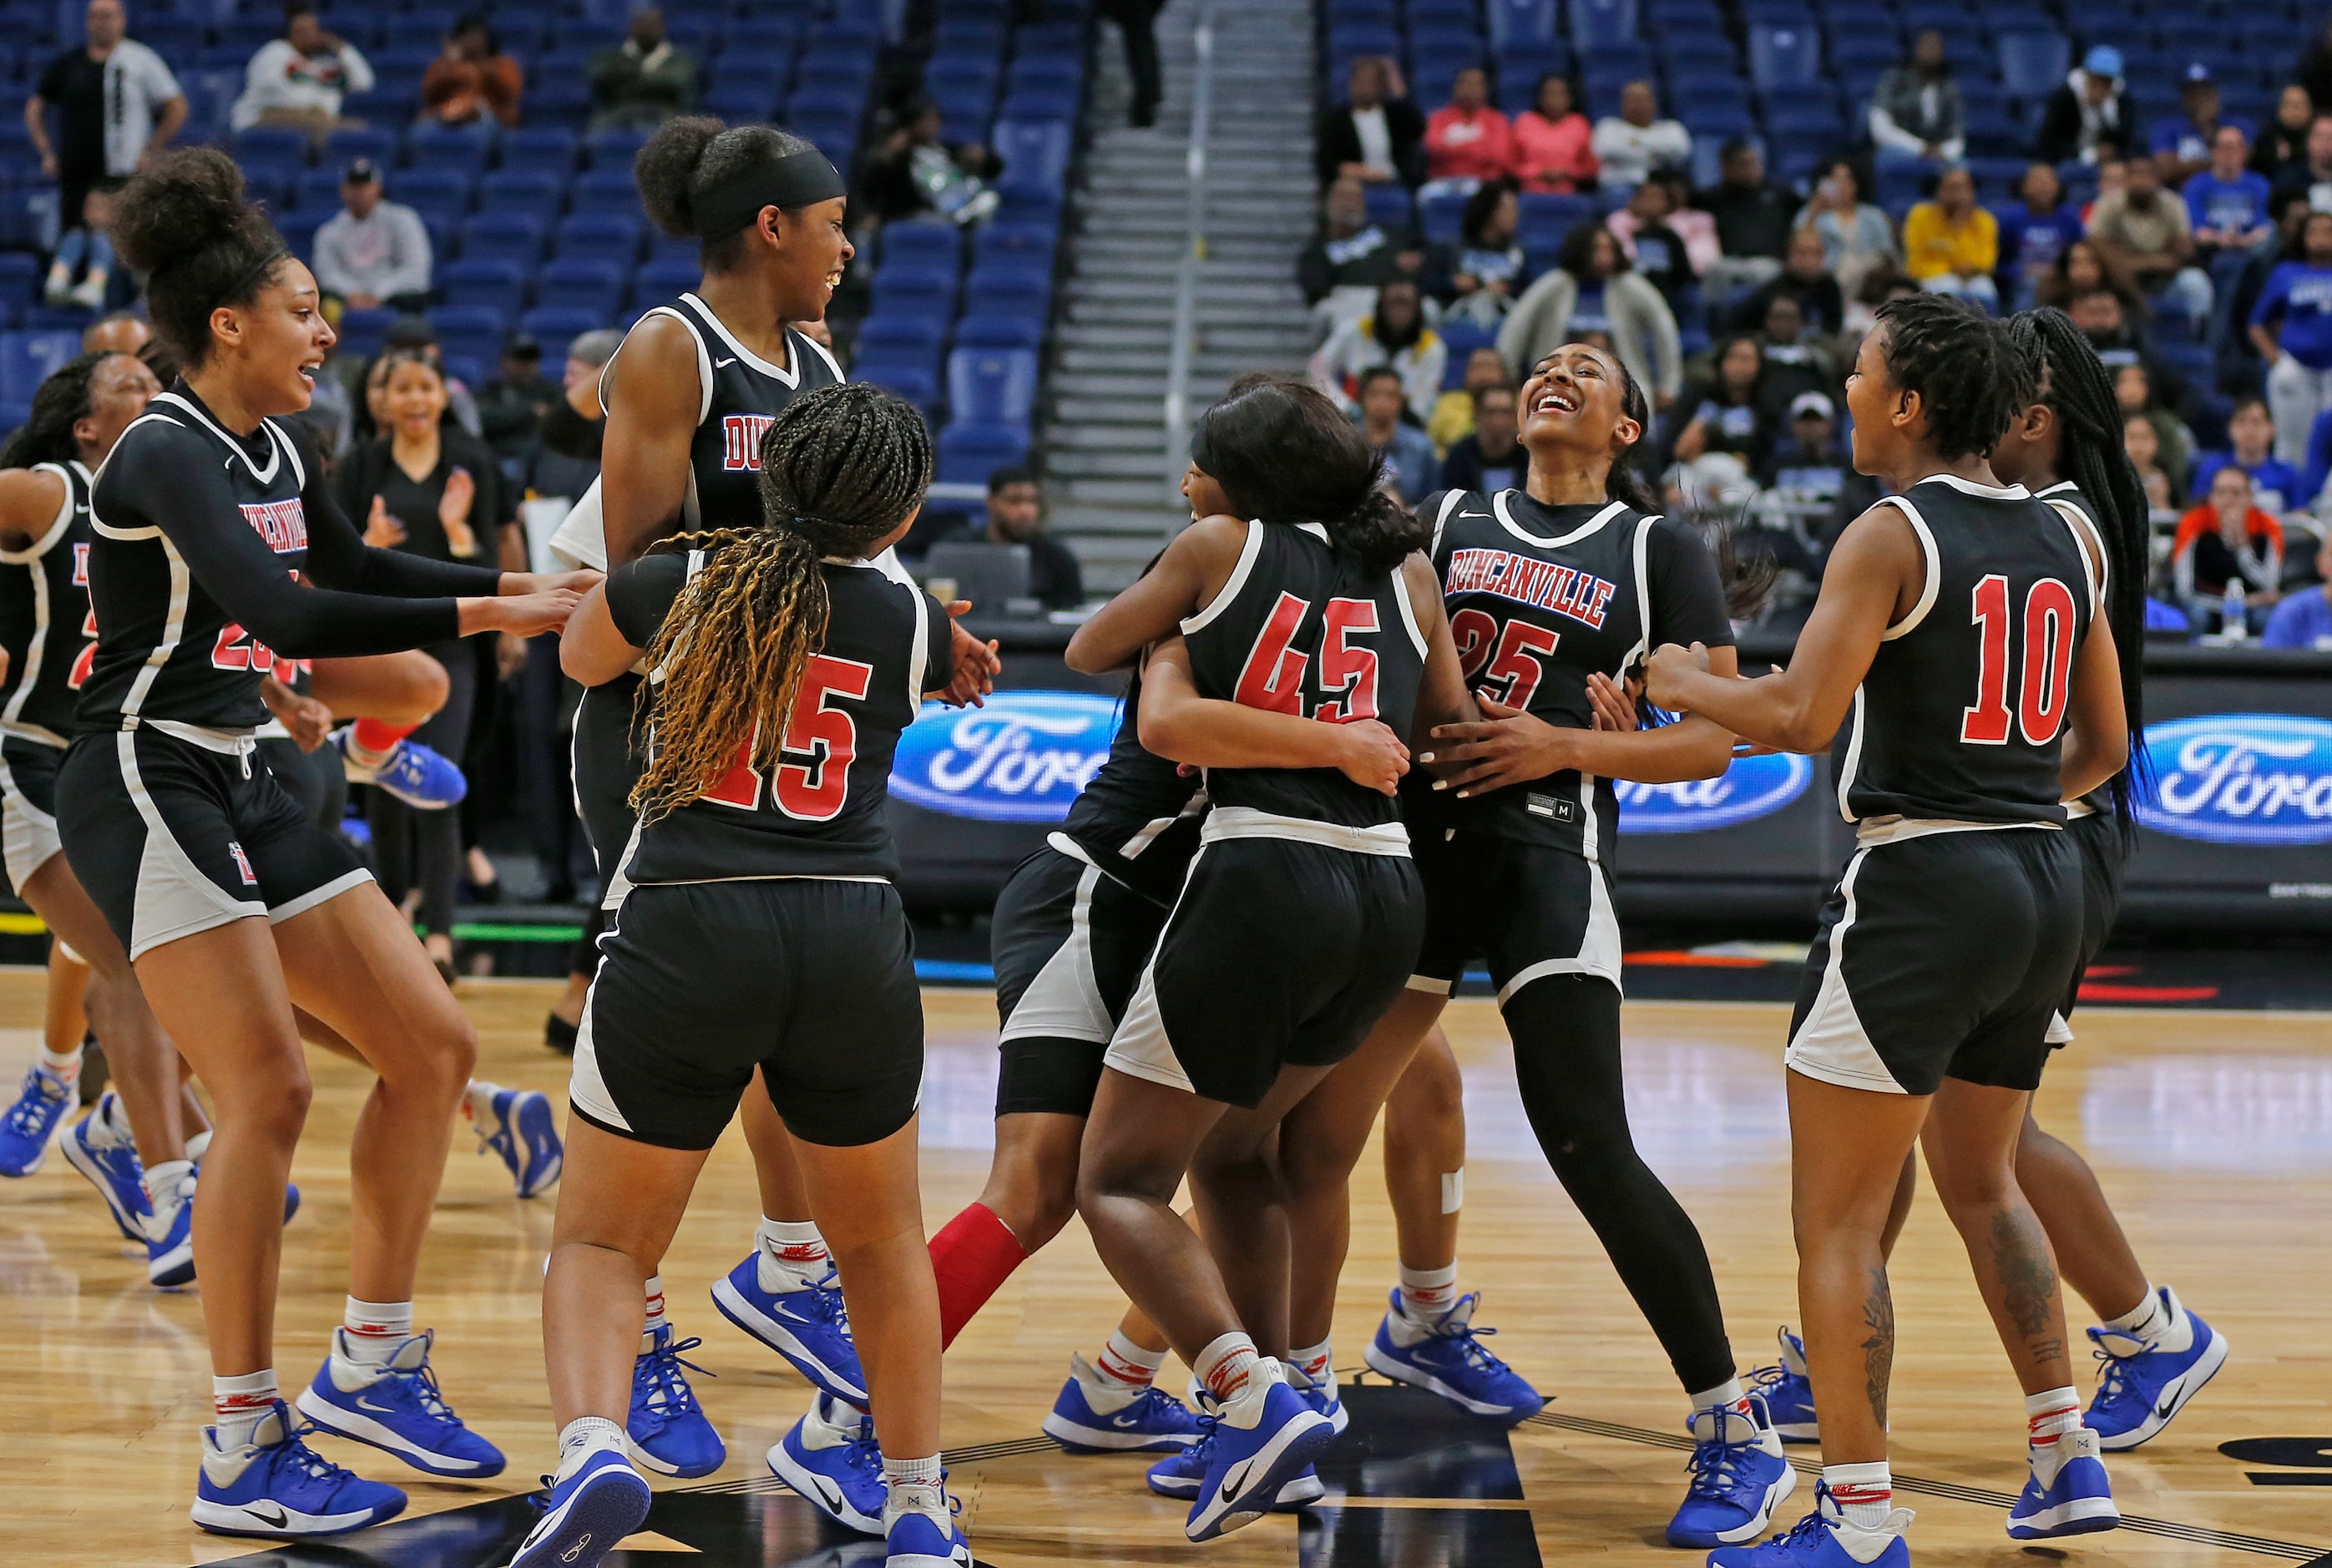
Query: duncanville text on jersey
(1566,590)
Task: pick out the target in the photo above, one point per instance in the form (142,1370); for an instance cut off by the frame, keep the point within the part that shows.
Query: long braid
(2080,393)
(841,467)
(58,404)
(1748,580)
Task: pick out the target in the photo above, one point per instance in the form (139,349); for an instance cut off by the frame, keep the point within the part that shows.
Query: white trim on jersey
(1506,520)
(919,654)
(587,1087)
(1386,838)
(1852,764)
(36,651)
(1454,499)
(1599,946)
(1237,579)
(790,377)
(704,355)
(1409,611)
(277,445)
(795,334)
(1934,563)
(56,529)
(174,627)
(1832,1045)
(1981,491)
(1063,1000)
(2085,535)
(1643,596)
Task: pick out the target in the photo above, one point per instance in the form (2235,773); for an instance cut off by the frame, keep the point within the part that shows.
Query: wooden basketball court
(2213,1131)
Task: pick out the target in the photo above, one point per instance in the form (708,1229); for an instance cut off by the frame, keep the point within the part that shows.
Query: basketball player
(2065,446)
(760,931)
(215,540)
(1961,624)
(1301,914)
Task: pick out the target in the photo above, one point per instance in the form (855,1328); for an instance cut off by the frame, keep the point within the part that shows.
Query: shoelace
(670,1395)
(1766,1378)
(2115,1383)
(421,1385)
(1207,1425)
(1468,1340)
(865,1454)
(32,1107)
(829,1304)
(1805,1531)
(294,1454)
(1714,1467)
(1149,1400)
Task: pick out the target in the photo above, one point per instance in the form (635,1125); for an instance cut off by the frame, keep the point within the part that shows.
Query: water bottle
(2232,621)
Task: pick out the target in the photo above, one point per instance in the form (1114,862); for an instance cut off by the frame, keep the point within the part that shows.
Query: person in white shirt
(302,77)
(1639,141)
(116,102)
(373,251)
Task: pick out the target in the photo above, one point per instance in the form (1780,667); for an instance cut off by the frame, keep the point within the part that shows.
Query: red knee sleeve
(972,1255)
(377,735)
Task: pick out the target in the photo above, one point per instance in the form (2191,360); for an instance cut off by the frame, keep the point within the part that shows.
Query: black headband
(796,180)
(257,271)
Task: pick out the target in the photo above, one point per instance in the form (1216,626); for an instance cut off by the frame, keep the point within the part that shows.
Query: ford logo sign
(1023,757)
(2241,778)
(1752,787)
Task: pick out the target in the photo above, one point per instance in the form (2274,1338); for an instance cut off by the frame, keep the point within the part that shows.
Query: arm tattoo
(1878,1345)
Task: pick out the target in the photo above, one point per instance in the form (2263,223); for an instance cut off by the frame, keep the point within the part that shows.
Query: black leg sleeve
(1566,1035)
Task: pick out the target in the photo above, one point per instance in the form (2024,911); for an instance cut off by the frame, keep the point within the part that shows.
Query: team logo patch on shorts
(1561,808)
(242,863)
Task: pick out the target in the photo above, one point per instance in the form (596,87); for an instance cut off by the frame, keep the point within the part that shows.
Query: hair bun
(179,204)
(665,170)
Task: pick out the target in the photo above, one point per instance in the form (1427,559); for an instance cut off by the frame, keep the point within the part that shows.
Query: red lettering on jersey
(1272,678)
(1563,590)
(1592,611)
(86,660)
(2048,690)
(740,442)
(817,790)
(236,650)
(242,863)
(1349,671)
(1986,724)
(81,566)
(283,524)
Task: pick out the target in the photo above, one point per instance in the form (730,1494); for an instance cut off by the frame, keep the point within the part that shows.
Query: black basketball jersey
(821,810)
(1136,821)
(44,619)
(2065,493)
(1300,628)
(1539,597)
(1961,716)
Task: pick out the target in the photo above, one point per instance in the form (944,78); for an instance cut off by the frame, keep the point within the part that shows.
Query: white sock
(372,1330)
(584,1436)
(1128,1365)
(1224,1365)
(1865,1493)
(1726,1395)
(1427,1292)
(165,1189)
(238,1404)
(2048,1416)
(1313,1361)
(196,1146)
(65,1068)
(478,1100)
(2157,1320)
(108,1128)
(793,1254)
(919,1486)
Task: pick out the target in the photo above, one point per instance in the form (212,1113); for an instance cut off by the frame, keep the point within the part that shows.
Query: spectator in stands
(564,460)
(2143,444)
(2225,542)
(2301,620)
(2173,444)
(1554,150)
(2226,207)
(2083,269)
(412,337)
(1410,468)
(2311,177)
(1794,363)
(2034,234)
(1810,467)
(116,102)
(511,407)
(122,332)
(473,78)
(2284,142)
(2276,485)
(1656,249)
(1374,136)
(1137,25)
(1693,225)
(1395,333)
(1491,459)
(1857,237)
(644,81)
(1467,140)
(2113,178)
(1917,115)
(2090,118)
(1635,142)
(1592,295)
(372,252)
(1724,430)
(302,77)
(1488,271)
(1950,244)
(1351,258)
(1016,515)
(914,175)
(1880,284)
(2183,147)
(81,271)
(2145,230)
(1453,411)
(1752,217)
(2291,327)
(1805,278)
(2314,70)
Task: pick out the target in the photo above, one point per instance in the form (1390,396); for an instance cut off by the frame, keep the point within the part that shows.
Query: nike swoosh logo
(829,1491)
(2167,1406)
(723,364)
(1483,515)
(1235,1480)
(1130,1418)
(365,1404)
(256,1512)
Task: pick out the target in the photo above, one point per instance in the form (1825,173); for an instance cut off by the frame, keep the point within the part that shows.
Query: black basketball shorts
(1280,953)
(809,978)
(28,805)
(315,780)
(1069,945)
(172,838)
(604,772)
(2103,854)
(1941,954)
(1530,910)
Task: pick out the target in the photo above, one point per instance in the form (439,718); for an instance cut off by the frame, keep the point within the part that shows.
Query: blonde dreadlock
(841,467)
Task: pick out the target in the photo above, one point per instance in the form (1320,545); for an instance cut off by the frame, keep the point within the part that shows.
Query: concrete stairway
(1106,459)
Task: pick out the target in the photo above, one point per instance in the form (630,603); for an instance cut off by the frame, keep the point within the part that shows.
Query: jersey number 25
(1503,665)
(813,790)
(2046,658)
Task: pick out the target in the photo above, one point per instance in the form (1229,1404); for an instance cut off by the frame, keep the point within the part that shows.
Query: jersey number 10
(2046,658)
(814,790)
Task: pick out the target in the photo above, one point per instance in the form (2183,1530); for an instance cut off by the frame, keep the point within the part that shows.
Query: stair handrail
(1183,344)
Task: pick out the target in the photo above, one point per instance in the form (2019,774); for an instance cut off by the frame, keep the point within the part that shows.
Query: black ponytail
(1748,580)
(182,221)
(1283,452)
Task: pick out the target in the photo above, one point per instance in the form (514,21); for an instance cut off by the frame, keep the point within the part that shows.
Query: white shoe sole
(1076,1435)
(131,1226)
(1291,1448)
(820,1493)
(290,1524)
(2214,1356)
(1401,1373)
(779,1338)
(2081,1516)
(343,1422)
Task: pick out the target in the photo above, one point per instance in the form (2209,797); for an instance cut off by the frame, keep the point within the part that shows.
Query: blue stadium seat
(271,141)
(1463,338)
(532,146)
(851,68)
(477,327)
(1389,203)
(1442,216)
(2032,64)
(902,335)
(740,101)
(969,36)
(503,236)
(318,188)
(582,284)
(1521,22)
(1046,106)
(270,178)
(992,385)
(604,190)
(664,277)
(1008,291)
(909,377)
(614,149)
(969,454)
(492,281)
(343,146)
(535,192)
(299,228)
(1545,219)
(364,331)
(917,290)
(27,358)
(1784,59)
(999,333)
(961,72)
(555,326)
(1596,21)
(1864,50)
(468,147)
(925,243)
(1035,156)
(600,236)
(431,187)
(1704,47)
(826,100)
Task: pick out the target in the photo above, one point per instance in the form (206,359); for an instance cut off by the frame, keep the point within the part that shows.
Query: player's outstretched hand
(522,614)
(1372,755)
(1667,670)
(1508,747)
(975,662)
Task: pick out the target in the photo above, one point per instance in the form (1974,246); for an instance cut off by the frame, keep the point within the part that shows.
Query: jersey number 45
(1273,677)
(813,790)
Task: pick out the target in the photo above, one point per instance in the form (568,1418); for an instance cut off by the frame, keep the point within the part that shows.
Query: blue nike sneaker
(421,777)
(2140,1387)
(1323,1395)
(25,1126)
(2078,1501)
(1250,1460)
(810,1327)
(1154,1421)
(1180,1475)
(1824,1539)
(920,1528)
(522,1129)
(590,1513)
(1448,1357)
(110,1165)
(396,1407)
(1738,1477)
(829,1457)
(280,1488)
(170,1238)
(668,1427)
(1789,1393)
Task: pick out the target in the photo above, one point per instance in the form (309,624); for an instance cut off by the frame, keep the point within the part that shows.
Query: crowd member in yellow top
(1950,244)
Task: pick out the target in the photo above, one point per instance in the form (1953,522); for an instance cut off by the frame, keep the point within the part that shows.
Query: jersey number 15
(813,790)
(2046,658)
